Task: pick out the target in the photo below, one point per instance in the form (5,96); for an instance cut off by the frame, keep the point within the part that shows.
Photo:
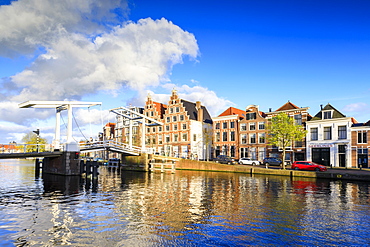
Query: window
(167,138)
(181,117)
(175,137)
(252,126)
(261,138)
(232,151)
(224,136)
(243,138)
(171,110)
(232,136)
(177,109)
(174,118)
(148,130)
(217,126)
(232,125)
(185,137)
(168,119)
(252,138)
(160,128)
(298,119)
(251,116)
(167,128)
(327,133)
(218,137)
(361,137)
(342,132)
(224,125)
(195,137)
(243,127)
(314,134)
(175,127)
(184,126)
(160,139)
(153,130)
(298,144)
(261,125)
(327,115)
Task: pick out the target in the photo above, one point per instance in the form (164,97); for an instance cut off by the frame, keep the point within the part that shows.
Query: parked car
(223,159)
(248,161)
(272,161)
(308,166)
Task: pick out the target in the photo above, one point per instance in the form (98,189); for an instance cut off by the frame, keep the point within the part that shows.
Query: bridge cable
(78,127)
(65,125)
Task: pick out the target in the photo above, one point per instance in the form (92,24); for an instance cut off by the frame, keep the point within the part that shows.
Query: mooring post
(82,167)
(88,168)
(37,168)
(95,167)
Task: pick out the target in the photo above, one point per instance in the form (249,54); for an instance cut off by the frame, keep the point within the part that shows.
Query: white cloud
(81,56)
(357,107)
(27,24)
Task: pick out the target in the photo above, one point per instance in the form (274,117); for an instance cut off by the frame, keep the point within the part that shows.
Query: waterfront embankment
(331,173)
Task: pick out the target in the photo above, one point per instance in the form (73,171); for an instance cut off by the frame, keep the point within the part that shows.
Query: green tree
(283,131)
(31,138)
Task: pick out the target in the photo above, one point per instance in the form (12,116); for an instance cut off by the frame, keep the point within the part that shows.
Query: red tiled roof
(110,124)
(232,111)
(288,106)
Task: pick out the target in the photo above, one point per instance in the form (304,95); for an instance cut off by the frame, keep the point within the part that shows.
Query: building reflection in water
(188,207)
(171,205)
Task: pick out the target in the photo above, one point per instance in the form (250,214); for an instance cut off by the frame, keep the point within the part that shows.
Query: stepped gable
(329,107)
(233,111)
(288,106)
(190,107)
(160,108)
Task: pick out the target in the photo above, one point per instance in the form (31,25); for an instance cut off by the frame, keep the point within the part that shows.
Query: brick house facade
(186,131)
(226,132)
(360,144)
(298,149)
(252,134)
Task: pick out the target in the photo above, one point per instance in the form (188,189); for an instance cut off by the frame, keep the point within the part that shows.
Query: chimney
(321,107)
(198,106)
(270,109)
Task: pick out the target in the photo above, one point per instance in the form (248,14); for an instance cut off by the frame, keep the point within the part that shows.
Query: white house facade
(329,138)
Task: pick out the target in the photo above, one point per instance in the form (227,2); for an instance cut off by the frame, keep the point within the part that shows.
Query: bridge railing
(25,148)
(110,144)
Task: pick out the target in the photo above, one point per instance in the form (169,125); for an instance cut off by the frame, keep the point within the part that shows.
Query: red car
(308,166)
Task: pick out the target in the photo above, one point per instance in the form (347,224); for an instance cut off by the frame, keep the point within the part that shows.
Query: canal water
(188,208)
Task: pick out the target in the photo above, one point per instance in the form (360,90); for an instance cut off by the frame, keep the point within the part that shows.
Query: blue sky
(232,53)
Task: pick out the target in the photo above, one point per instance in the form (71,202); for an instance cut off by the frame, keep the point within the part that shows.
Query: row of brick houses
(188,131)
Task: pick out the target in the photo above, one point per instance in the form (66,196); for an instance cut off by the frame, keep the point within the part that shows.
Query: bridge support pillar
(136,163)
(66,164)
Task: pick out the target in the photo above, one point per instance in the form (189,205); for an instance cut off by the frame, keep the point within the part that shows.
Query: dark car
(224,159)
(308,166)
(272,161)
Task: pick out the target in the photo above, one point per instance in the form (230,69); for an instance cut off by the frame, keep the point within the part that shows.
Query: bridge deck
(29,155)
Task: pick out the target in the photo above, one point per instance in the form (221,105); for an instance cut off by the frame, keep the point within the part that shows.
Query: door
(321,156)
(362,161)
